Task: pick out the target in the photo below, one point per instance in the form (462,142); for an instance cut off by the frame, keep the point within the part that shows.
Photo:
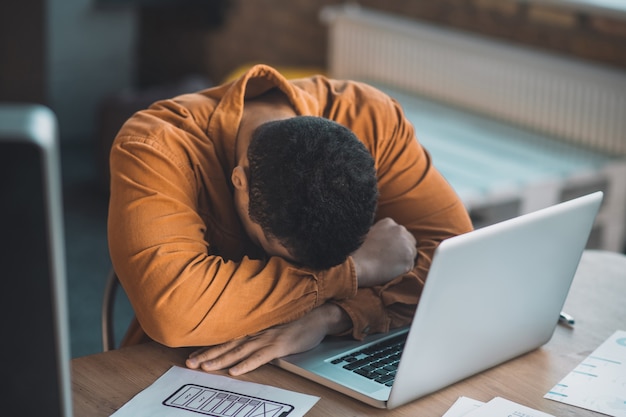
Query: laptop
(491,295)
(33,305)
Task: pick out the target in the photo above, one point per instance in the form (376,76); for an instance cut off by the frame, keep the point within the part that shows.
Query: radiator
(577,101)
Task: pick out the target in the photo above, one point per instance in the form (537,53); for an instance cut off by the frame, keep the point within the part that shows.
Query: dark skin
(389,250)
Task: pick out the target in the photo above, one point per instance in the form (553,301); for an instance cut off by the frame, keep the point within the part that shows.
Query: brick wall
(290,33)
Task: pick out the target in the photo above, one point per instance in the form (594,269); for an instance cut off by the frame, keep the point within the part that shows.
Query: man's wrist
(336,319)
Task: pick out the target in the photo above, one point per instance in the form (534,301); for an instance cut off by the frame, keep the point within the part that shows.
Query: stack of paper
(497,407)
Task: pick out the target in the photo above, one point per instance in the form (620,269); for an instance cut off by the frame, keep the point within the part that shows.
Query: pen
(566,318)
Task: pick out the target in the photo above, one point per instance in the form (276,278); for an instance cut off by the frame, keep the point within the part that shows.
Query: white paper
(598,383)
(462,406)
(500,407)
(182,392)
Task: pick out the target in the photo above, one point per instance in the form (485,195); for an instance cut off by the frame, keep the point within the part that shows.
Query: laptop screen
(33,299)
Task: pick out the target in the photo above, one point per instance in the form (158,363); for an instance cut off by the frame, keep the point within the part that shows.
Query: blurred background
(95,62)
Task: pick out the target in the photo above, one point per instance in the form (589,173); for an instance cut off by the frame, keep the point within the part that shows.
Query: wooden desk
(102,383)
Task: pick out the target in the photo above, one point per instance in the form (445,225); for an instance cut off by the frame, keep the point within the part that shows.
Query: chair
(108,304)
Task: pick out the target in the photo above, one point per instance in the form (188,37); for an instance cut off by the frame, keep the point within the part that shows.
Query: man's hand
(250,352)
(389,250)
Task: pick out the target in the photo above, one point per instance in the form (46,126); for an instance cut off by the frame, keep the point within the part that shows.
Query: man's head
(311,187)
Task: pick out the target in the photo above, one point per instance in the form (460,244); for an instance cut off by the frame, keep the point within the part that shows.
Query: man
(203,267)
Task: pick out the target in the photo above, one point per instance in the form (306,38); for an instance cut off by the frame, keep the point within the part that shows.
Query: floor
(85,202)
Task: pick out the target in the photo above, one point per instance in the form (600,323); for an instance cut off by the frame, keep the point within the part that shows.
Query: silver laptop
(491,295)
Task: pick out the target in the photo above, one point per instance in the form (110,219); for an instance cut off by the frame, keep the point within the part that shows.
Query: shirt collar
(257,80)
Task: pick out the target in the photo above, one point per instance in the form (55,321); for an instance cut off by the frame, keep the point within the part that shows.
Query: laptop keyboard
(378,362)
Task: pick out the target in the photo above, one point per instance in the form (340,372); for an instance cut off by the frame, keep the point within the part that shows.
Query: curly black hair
(312,186)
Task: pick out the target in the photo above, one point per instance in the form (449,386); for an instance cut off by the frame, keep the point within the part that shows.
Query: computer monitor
(33,305)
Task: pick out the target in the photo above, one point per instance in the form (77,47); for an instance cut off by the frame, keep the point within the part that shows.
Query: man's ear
(239,178)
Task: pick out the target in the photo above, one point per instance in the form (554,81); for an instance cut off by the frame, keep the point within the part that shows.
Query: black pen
(566,319)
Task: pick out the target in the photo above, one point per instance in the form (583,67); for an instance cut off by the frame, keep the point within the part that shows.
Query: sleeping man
(254,218)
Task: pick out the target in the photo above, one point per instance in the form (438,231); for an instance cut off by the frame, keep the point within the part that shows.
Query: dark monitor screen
(35,373)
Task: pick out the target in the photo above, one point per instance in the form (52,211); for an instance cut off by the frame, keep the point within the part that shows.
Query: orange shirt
(190,271)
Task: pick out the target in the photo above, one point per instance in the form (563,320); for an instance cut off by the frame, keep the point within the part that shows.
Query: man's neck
(273,105)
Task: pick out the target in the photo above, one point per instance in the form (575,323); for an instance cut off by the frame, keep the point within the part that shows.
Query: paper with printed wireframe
(182,392)
(598,383)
